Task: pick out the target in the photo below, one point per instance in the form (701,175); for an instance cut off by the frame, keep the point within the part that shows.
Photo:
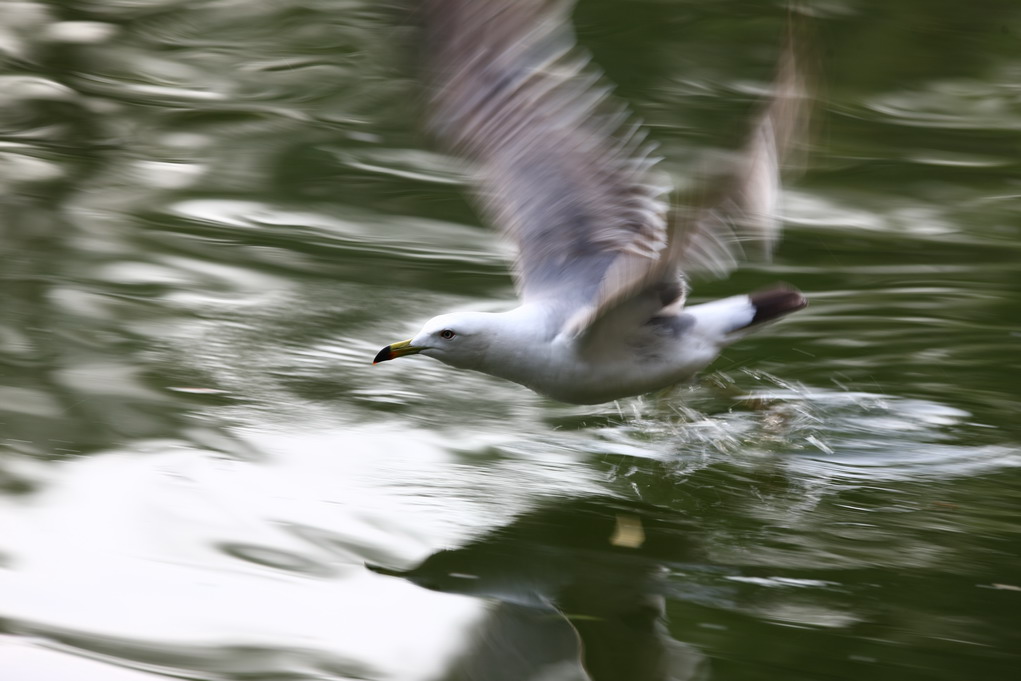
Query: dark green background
(214,213)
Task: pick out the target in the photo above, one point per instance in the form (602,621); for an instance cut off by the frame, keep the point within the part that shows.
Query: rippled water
(214,213)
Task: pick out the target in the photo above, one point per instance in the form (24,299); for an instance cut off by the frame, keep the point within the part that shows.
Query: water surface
(214,215)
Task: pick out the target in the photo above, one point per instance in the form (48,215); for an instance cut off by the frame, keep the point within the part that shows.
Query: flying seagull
(602,263)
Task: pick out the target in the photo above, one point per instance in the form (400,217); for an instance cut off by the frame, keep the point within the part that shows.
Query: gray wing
(740,213)
(560,170)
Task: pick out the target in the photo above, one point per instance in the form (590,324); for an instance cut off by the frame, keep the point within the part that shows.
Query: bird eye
(446,334)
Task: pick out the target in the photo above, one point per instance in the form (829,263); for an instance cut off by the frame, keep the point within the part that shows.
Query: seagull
(603,264)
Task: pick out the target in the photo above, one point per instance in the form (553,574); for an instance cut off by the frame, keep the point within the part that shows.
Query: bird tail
(729,319)
(772,304)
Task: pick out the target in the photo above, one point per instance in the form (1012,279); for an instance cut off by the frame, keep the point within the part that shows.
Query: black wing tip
(776,303)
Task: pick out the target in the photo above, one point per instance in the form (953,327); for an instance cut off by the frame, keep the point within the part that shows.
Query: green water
(215,213)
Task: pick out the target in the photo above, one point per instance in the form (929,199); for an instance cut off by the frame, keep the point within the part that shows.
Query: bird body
(525,345)
(602,265)
(652,356)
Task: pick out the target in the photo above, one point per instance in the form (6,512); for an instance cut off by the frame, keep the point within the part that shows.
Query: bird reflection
(577,591)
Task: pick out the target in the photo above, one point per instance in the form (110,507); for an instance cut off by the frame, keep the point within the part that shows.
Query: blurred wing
(739,214)
(743,212)
(559,170)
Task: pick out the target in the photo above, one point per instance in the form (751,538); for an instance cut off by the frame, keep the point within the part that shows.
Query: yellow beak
(396,350)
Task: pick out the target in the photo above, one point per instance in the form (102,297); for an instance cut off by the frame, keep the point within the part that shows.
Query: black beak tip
(380,570)
(383,355)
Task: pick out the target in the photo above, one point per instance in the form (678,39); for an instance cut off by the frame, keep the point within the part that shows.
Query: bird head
(460,339)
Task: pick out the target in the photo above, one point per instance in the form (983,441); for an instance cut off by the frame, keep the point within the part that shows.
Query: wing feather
(560,169)
(739,214)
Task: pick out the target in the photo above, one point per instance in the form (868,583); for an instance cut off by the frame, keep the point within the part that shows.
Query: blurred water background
(214,213)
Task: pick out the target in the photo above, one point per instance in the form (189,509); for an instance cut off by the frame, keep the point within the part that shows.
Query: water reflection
(579,581)
(178,561)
